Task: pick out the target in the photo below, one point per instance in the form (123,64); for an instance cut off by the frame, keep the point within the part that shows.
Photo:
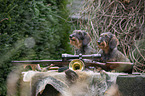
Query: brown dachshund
(108,44)
(80,39)
(109,53)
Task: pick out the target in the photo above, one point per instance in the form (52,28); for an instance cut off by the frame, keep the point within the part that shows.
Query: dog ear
(71,75)
(86,39)
(113,42)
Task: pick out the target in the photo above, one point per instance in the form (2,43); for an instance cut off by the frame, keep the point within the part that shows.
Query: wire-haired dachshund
(108,44)
(80,39)
(109,53)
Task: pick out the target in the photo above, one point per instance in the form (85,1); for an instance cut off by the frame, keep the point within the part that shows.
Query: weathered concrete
(131,85)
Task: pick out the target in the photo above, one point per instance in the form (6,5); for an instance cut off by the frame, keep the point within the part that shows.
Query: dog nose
(99,42)
(70,36)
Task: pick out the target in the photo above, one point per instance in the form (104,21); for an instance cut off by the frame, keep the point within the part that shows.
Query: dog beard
(75,42)
(103,45)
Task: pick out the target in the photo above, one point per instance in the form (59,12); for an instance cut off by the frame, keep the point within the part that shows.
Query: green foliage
(31,29)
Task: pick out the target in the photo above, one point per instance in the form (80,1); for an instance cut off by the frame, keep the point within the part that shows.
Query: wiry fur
(108,44)
(83,85)
(70,83)
(109,53)
(113,91)
(81,39)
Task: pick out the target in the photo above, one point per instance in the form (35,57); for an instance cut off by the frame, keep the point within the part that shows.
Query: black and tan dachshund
(81,39)
(108,44)
(109,53)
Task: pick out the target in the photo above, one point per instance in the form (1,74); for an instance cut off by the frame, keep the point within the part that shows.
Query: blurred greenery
(31,30)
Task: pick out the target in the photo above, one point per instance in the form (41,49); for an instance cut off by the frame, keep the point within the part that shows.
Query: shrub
(30,30)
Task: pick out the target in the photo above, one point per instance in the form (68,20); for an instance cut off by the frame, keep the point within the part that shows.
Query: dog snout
(99,42)
(70,36)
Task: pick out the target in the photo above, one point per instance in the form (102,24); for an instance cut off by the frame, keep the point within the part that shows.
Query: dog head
(79,38)
(107,40)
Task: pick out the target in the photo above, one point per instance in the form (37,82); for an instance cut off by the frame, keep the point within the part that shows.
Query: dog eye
(80,33)
(106,36)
